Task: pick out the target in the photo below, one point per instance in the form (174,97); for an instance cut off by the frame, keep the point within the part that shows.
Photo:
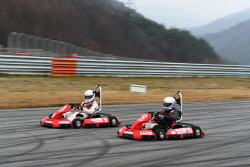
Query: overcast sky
(212,9)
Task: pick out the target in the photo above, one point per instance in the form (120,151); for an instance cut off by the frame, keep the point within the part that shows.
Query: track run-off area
(25,143)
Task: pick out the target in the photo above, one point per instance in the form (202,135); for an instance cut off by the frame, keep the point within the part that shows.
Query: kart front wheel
(77,123)
(160,134)
(196,131)
(113,121)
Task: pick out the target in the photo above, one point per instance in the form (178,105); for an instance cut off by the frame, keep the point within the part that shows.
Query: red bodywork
(98,122)
(56,121)
(134,131)
(180,133)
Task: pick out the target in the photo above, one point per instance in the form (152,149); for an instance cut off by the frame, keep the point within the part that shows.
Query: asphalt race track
(24,143)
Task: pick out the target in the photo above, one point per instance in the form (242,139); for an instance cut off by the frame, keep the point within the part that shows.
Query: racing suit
(88,109)
(170,117)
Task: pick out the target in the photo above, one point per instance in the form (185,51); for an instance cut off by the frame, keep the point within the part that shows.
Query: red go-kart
(176,131)
(95,120)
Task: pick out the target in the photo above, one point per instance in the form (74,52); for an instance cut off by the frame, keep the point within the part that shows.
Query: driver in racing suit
(87,108)
(167,117)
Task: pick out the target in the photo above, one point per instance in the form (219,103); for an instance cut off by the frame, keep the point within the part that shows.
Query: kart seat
(179,116)
(177,126)
(97,94)
(99,109)
(96,116)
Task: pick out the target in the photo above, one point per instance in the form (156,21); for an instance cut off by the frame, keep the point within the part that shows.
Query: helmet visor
(167,104)
(88,97)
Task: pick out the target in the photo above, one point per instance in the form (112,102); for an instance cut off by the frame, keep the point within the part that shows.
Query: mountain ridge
(173,17)
(221,24)
(232,44)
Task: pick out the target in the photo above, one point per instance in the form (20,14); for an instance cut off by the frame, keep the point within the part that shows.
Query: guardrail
(31,65)
(18,64)
(158,69)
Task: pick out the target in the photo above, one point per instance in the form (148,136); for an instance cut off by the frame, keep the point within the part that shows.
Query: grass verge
(20,91)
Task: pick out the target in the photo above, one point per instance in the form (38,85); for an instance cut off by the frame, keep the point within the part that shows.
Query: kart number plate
(50,122)
(183,130)
(100,120)
(63,122)
(146,133)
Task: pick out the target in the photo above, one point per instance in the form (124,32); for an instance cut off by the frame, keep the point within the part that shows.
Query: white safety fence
(17,64)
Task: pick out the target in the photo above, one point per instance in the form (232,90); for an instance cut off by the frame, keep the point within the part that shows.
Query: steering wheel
(153,114)
(74,106)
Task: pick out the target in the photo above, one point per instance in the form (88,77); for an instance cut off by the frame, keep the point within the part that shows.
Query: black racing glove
(160,117)
(167,118)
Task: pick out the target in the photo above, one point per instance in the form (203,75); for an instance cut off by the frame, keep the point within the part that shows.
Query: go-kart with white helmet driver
(85,115)
(144,127)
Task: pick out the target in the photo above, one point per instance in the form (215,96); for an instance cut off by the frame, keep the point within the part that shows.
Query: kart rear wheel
(77,123)
(196,131)
(113,121)
(160,134)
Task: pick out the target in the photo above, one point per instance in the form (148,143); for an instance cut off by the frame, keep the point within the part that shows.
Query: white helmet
(169,103)
(89,96)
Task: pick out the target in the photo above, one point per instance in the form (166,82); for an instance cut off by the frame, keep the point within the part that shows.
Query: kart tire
(197,131)
(77,123)
(113,121)
(160,134)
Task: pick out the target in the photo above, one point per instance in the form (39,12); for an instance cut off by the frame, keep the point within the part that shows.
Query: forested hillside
(103,26)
